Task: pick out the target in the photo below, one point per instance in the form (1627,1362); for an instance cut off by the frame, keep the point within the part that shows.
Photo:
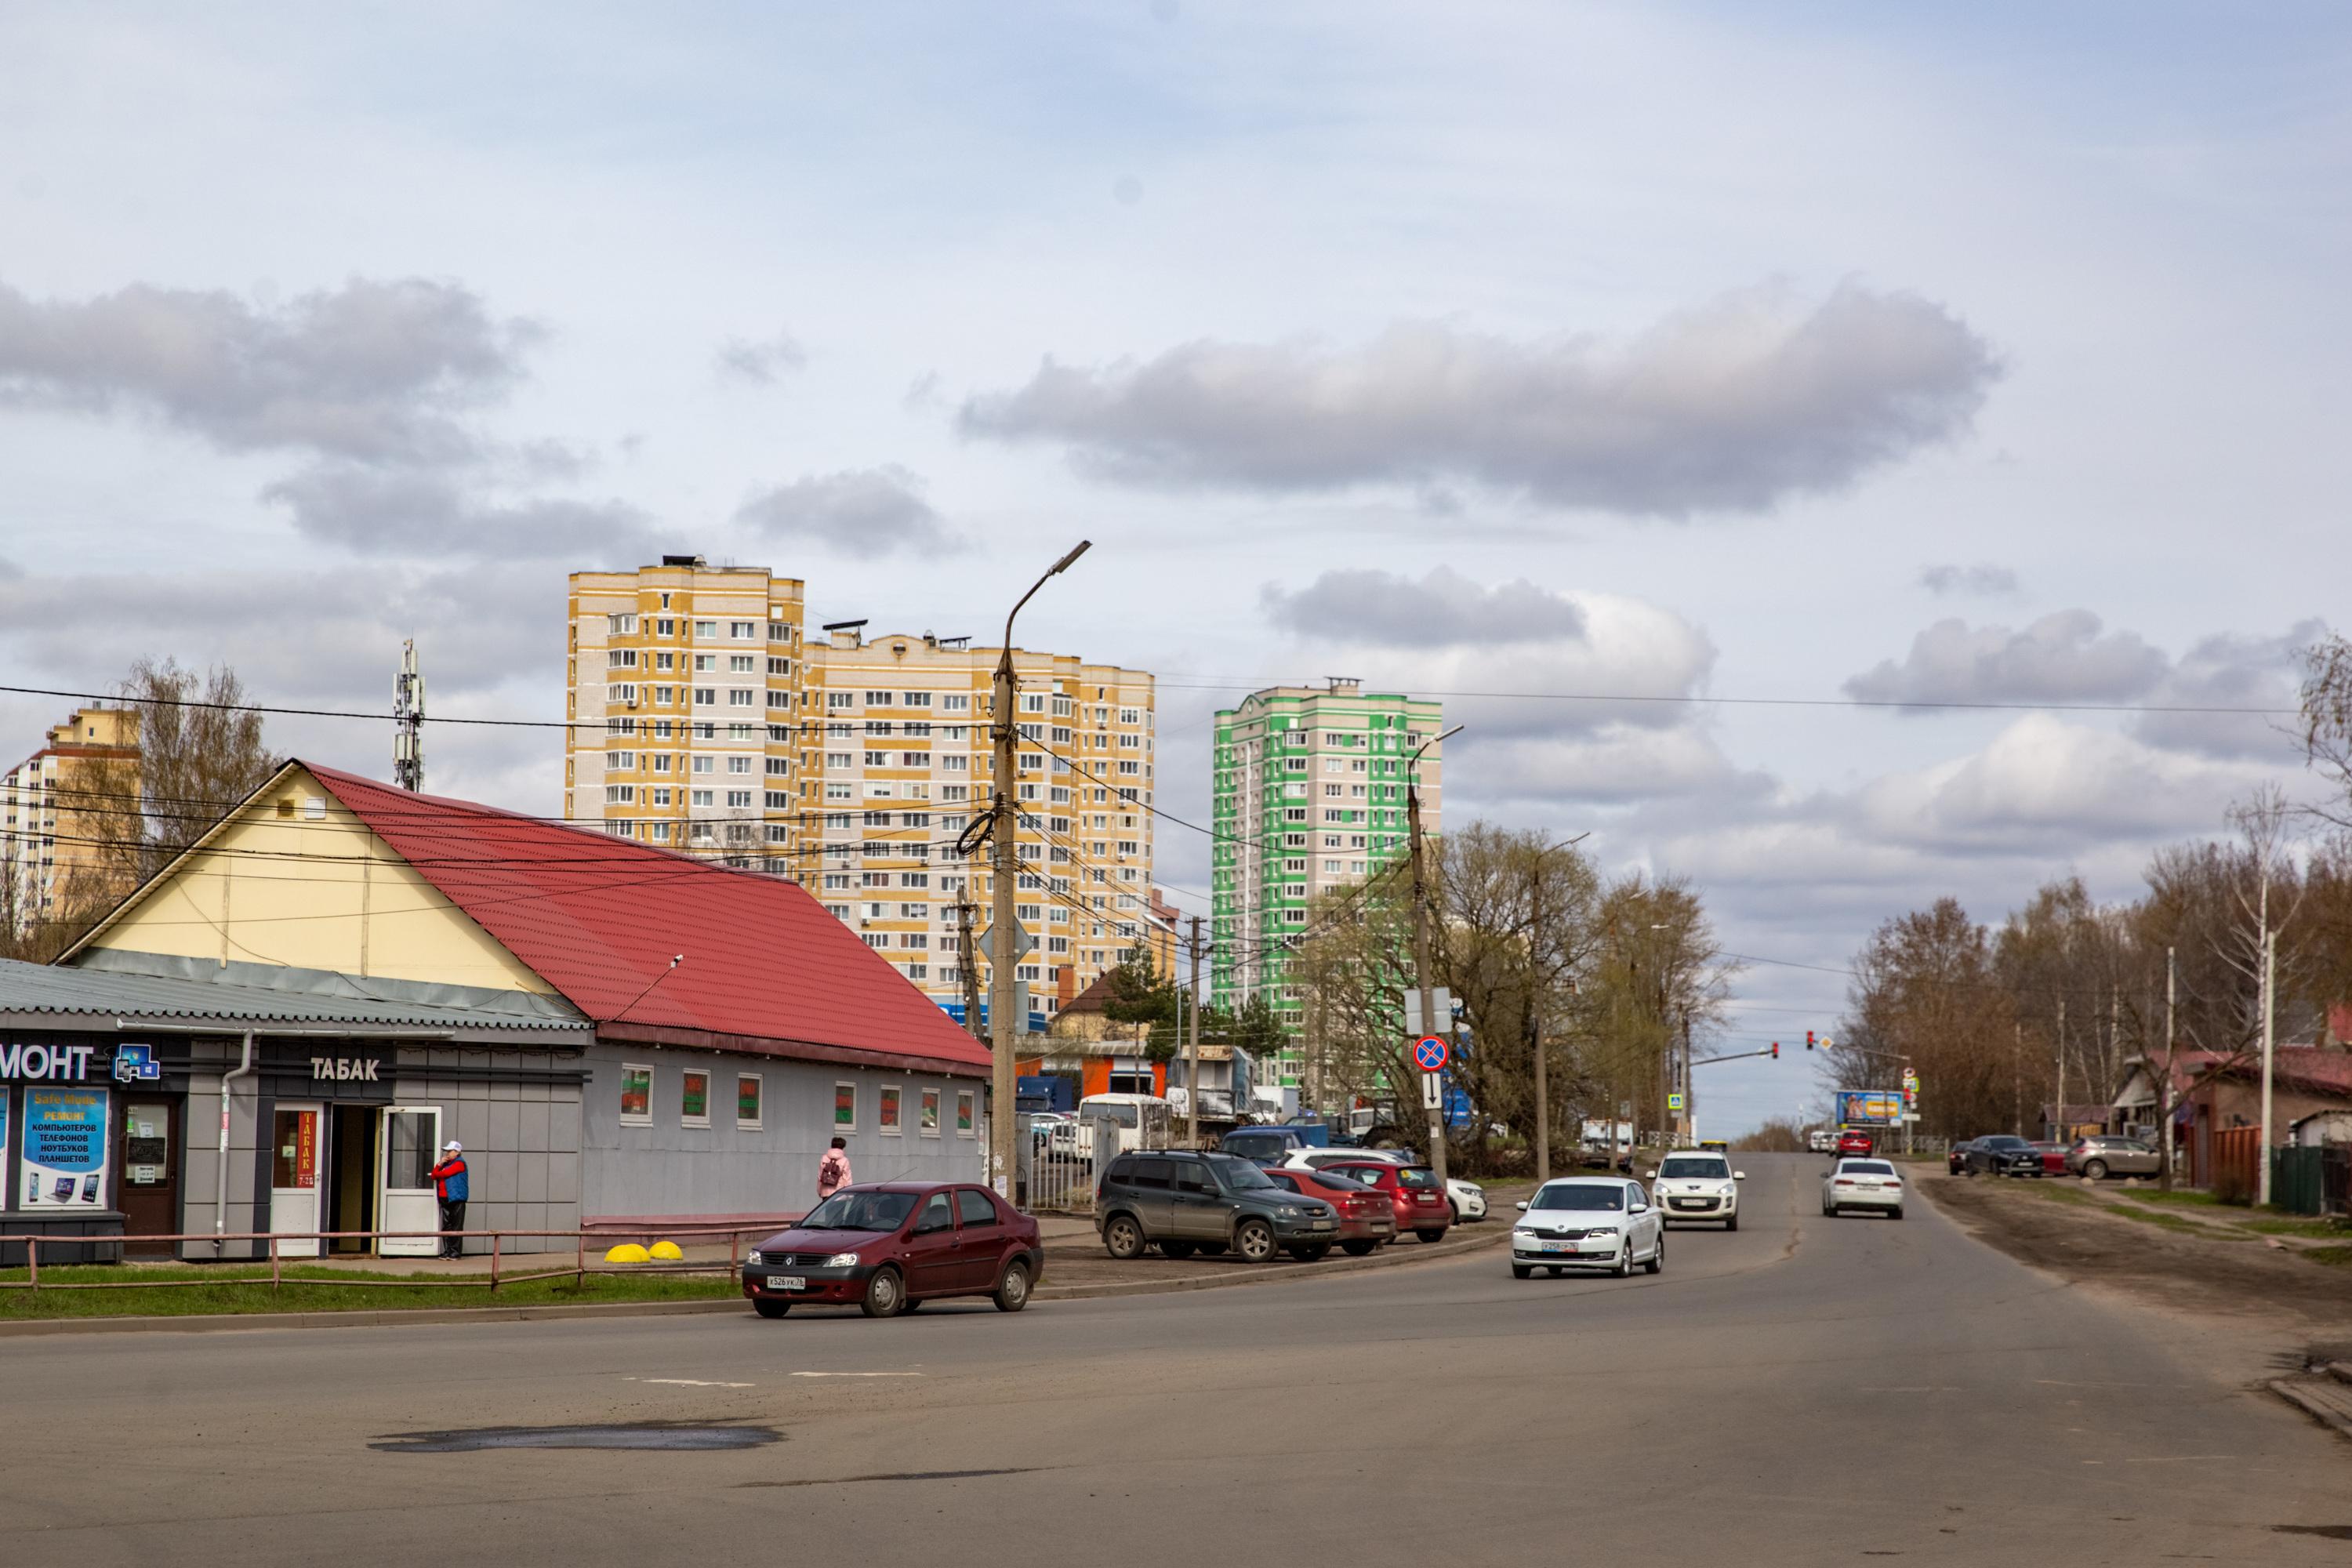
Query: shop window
(931,1114)
(748,1089)
(844,1107)
(966,1107)
(694,1100)
(886,1120)
(636,1096)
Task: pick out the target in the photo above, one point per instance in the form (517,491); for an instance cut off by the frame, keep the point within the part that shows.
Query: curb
(1241,1274)
(226,1323)
(2318,1398)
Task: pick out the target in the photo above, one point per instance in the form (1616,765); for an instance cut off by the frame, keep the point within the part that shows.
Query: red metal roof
(598,918)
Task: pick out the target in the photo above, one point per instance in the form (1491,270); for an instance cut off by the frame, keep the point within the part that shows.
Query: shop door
(294,1167)
(149,1186)
(409,1135)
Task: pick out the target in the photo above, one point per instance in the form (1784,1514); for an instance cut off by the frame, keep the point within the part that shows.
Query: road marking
(852,1374)
(689,1383)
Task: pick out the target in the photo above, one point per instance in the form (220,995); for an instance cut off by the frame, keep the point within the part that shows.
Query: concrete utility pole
(2058,1111)
(2164,1088)
(1436,1119)
(971,964)
(2270,1014)
(1192,1050)
(1005,869)
(1535,1048)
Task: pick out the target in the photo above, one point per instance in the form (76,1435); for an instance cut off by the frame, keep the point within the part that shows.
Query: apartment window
(739,799)
(1033,702)
(705,628)
(637,1095)
(840,700)
(703,764)
(694,1099)
(748,1092)
(967,1105)
(741,697)
(621,659)
(839,760)
(742,628)
(931,1114)
(705,696)
(886,1120)
(742,664)
(878,699)
(1130,716)
(837,792)
(779,666)
(621,625)
(914,759)
(661,760)
(739,765)
(918,700)
(844,1107)
(953,702)
(878,759)
(699,797)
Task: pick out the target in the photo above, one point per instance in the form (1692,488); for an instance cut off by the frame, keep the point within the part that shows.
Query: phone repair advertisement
(64,1150)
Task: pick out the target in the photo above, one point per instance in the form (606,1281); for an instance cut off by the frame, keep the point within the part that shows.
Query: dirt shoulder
(2206,1266)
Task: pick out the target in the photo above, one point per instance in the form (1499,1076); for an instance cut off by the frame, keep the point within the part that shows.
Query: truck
(1047,1091)
(1599,1138)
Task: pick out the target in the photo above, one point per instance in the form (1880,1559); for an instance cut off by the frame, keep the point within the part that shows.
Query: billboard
(1869,1107)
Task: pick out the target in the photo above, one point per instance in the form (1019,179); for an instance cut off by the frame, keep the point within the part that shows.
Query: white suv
(1695,1185)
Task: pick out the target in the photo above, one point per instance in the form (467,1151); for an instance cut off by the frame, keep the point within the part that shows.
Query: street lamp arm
(1057,567)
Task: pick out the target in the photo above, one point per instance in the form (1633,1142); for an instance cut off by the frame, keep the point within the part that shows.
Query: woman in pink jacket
(833,1171)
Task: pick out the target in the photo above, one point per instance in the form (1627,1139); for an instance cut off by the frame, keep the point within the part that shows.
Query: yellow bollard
(665,1251)
(628,1252)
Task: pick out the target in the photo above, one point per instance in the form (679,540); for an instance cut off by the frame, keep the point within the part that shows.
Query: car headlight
(842,1260)
(1290,1210)
(754,1257)
(1730,1190)
(1521,1230)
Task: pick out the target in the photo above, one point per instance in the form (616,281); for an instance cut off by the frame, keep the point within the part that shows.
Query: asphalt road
(1802,1392)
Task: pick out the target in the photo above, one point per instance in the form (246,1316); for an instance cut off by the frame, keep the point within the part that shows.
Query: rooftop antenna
(408,721)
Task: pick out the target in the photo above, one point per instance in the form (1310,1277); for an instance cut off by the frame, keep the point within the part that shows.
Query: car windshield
(1125,1115)
(860,1211)
(1238,1175)
(1419,1177)
(1690,1169)
(1865,1168)
(1580,1199)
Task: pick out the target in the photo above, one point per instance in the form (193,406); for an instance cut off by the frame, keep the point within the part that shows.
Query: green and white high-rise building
(1309,785)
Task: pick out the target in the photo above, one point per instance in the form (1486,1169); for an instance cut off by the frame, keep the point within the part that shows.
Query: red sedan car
(1367,1216)
(888,1248)
(1853,1141)
(1415,1195)
(2053,1158)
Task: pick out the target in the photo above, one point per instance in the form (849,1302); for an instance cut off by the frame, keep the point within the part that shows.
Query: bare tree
(200,752)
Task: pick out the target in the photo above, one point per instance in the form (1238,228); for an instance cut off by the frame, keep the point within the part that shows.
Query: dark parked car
(1367,1220)
(1184,1202)
(1414,1192)
(1261,1145)
(887,1248)
(2002,1155)
(1956,1160)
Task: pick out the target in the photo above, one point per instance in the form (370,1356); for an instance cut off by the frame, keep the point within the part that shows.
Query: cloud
(2230,670)
(410,512)
(1984,580)
(1373,606)
(865,513)
(2062,657)
(1731,408)
(372,371)
(763,362)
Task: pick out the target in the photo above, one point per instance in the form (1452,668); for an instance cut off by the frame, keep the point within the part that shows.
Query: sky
(1658,384)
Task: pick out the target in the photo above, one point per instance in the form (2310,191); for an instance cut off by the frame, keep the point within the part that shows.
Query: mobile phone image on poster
(64,1148)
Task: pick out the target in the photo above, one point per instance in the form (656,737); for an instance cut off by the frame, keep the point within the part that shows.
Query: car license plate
(787,1282)
(1560,1246)
(1327,1225)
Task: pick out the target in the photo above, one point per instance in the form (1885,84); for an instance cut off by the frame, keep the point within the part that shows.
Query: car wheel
(1453,1209)
(1313,1252)
(1521,1272)
(1834,1211)
(1364,1249)
(1430,1236)
(770,1309)
(1625,1269)
(1895,1212)
(1179,1249)
(2096,1169)
(914,1303)
(1253,1241)
(1012,1290)
(1657,1255)
(1731,1224)
(885,1295)
(1122,1237)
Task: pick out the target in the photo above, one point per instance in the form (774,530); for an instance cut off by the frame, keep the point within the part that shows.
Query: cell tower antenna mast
(408,721)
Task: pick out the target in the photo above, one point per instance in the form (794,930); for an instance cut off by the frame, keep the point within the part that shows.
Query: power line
(1688,699)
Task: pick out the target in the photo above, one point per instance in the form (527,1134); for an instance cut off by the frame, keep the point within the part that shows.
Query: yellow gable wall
(309,893)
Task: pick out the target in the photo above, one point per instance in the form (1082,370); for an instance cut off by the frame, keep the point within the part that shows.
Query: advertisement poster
(64,1150)
(1869,1107)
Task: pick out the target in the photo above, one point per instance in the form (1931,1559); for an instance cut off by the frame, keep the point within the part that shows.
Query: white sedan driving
(1695,1187)
(1587,1222)
(1856,1184)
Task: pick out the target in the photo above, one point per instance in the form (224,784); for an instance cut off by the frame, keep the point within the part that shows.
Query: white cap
(452,1147)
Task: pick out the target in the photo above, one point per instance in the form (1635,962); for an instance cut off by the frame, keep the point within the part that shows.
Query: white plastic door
(296,1159)
(409,1135)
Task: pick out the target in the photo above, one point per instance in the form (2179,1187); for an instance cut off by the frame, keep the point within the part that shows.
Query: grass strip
(2337,1257)
(179,1291)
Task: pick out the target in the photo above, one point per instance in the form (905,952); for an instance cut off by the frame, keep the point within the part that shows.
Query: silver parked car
(2105,1155)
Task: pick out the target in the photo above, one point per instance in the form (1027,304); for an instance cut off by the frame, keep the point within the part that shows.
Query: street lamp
(1004,862)
(1436,1117)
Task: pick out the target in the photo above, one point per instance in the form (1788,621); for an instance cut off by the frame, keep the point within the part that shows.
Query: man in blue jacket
(449,1187)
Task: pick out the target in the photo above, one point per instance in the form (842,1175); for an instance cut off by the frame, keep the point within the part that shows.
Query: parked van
(1144,1120)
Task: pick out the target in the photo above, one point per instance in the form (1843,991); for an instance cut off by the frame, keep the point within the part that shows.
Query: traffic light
(1809,1039)
(1776,1050)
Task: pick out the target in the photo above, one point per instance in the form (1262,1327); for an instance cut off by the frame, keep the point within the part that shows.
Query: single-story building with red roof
(619,1035)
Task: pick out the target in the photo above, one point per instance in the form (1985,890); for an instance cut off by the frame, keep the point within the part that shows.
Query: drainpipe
(244,1068)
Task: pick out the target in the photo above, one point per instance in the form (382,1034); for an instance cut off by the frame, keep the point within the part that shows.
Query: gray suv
(2104,1154)
(1182,1203)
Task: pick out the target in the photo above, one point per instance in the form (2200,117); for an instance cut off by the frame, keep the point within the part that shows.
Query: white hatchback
(1856,1184)
(1587,1222)
(1697,1186)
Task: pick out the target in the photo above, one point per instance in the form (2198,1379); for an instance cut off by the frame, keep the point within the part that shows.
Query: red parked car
(1853,1141)
(2053,1158)
(1367,1216)
(888,1248)
(1414,1194)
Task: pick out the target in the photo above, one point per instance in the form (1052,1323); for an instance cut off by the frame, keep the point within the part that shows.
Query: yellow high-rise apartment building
(58,807)
(705,720)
